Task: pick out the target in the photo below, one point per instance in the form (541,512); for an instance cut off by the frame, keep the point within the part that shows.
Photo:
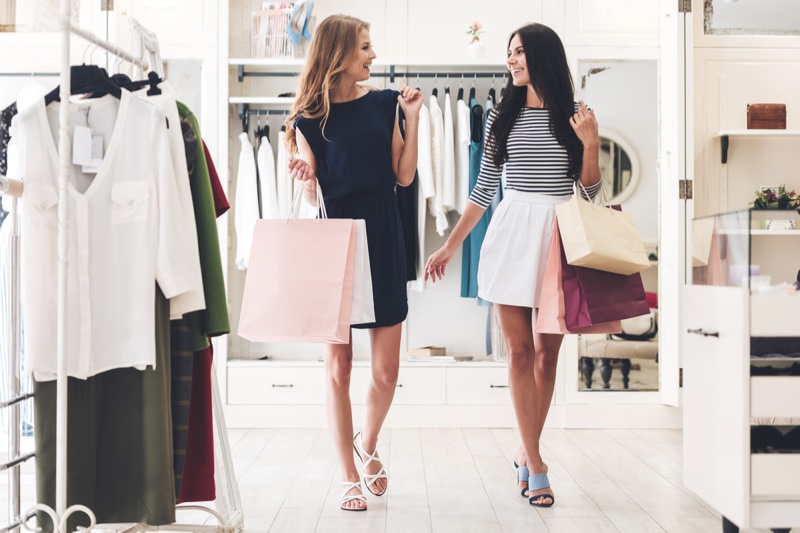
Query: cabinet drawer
(775,474)
(774,316)
(415,386)
(775,396)
(281,386)
(478,386)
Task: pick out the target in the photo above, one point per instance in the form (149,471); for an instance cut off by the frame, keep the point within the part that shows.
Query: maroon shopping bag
(594,296)
(550,316)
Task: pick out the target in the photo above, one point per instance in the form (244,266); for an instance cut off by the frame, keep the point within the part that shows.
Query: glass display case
(741,367)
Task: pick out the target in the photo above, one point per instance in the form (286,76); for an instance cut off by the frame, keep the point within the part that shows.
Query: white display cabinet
(732,311)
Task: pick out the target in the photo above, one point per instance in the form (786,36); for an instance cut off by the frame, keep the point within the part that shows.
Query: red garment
(220,200)
(198,471)
(652,299)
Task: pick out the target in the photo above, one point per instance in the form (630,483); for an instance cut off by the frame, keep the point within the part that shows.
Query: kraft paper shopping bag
(598,237)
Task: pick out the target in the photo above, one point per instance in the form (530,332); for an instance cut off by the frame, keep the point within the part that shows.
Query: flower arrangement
(475,30)
(769,198)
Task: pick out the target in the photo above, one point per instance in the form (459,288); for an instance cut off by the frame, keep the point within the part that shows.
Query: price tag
(82,145)
(96,156)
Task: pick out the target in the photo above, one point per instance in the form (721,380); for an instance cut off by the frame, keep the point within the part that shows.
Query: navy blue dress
(354,168)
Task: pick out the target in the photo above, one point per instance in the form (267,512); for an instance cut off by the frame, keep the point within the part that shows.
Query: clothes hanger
(86,79)
(461,88)
(492,96)
(447,84)
(472,89)
(283,124)
(435,91)
(418,81)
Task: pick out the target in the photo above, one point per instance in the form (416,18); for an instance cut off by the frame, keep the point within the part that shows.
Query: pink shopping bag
(299,285)
(551,315)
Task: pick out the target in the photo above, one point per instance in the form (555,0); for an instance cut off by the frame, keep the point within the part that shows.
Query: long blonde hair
(332,49)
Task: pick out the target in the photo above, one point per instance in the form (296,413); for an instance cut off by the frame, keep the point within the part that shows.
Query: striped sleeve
(591,190)
(489,176)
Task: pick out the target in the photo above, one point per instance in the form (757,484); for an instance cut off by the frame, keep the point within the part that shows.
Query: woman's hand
(437,263)
(300,170)
(585,125)
(410,101)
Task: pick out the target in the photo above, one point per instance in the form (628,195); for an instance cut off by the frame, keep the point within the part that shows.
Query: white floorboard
(452,480)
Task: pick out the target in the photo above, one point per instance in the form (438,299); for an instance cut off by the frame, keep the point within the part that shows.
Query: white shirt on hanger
(127,231)
(245,207)
(462,154)
(449,179)
(425,192)
(266,173)
(437,164)
(194,299)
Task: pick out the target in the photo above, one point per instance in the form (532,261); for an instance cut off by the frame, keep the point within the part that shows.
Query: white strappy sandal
(370,479)
(348,486)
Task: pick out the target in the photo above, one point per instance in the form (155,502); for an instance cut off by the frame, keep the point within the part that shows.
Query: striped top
(536,162)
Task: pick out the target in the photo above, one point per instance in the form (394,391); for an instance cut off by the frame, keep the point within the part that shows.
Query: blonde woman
(347,138)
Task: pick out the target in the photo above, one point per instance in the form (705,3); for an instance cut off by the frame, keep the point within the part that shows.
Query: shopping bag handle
(578,186)
(294,210)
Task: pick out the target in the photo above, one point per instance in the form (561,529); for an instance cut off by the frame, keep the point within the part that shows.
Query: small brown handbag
(766,116)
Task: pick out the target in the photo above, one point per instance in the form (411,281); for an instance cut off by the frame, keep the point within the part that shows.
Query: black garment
(407,200)
(119,461)
(5,135)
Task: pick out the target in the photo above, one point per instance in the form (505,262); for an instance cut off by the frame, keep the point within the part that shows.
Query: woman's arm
(404,153)
(437,262)
(585,125)
(303,168)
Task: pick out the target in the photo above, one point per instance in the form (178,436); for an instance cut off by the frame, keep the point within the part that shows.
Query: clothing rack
(230,518)
(393,72)
(245,112)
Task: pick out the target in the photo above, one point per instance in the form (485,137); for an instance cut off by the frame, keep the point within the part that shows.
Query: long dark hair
(550,77)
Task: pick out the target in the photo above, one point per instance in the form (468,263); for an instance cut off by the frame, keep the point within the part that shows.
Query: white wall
(420,30)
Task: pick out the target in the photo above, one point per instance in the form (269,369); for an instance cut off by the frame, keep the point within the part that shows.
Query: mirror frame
(635,171)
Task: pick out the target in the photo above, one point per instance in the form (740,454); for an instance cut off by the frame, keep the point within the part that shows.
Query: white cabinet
(722,400)
(286,393)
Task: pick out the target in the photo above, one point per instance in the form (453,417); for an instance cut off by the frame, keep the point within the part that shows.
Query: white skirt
(515,249)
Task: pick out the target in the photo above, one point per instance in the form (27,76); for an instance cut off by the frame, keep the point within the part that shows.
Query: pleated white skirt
(515,250)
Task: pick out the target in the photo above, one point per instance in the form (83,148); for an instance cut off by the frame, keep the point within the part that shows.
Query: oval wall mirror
(619,167)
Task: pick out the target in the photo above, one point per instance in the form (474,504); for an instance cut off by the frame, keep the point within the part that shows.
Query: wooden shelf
(754,232)
(725,135)
(757,133)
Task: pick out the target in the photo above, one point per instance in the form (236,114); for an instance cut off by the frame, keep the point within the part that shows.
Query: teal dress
(471,248)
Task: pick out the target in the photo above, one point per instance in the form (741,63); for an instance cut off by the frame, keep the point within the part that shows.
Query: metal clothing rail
(228,501)
(393,72)
(245,112)
(13,189)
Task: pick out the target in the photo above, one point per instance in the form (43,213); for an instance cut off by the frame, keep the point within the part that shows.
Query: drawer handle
(498,386)
(399,385)
(282,386)
(699,331)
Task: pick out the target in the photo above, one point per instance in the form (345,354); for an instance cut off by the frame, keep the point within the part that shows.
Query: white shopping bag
(363,310)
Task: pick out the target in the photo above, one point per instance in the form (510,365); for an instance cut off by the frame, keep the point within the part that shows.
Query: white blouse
(192,300)
(245,212)
(127,231)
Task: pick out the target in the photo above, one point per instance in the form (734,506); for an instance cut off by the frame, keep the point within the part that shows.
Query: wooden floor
(451,480)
